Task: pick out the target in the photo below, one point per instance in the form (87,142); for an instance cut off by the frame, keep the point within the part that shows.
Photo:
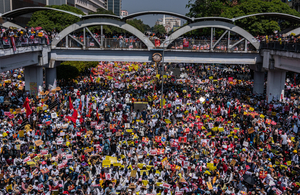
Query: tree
(139,24)
(102,11)
(205,8)
(231,9)
(159,29)
(260,25)
(67,72)
(50,19)
(106,29)
(111,29)
(79,65)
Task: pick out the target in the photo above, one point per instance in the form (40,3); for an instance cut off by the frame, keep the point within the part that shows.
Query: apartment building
(85,5)
(115,6)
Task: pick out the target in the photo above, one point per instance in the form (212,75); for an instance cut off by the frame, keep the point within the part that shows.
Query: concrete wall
(275,84)
(33,78)
(289,61)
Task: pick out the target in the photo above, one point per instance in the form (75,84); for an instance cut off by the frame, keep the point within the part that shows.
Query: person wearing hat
(295,157)
(109,189)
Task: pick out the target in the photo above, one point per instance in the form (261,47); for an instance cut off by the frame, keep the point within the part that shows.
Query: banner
(157,42)
(47,39)
(185,43)
(13,43)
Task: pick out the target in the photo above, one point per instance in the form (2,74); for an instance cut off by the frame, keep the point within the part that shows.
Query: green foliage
(204,8)
(159,29)
(106,29)
(102,11)
(139,25)
(112,29)
(67,72)
(50,19)
(254,25)
(260,25)
(79,65)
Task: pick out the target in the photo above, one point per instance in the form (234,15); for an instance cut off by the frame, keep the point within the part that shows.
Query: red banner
(174,144)
(157,42)
(153,152)
(185,43)
(47,38)
(182,139)
(13,43)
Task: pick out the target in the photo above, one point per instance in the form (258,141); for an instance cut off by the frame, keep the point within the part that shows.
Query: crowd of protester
(110,131)
(13,37)
(37,36)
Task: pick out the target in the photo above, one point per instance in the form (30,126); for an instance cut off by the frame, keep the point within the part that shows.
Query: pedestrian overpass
(78,43)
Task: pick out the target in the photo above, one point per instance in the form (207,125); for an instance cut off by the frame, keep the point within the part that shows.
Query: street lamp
(163,72)
(162,87)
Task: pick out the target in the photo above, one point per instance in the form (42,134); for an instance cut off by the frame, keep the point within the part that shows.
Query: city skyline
(178,6)
(169,22)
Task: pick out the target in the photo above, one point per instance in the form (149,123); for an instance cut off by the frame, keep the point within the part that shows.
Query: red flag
(74,117)
(70,104)
(47,38)
(80,105)
(92,80)
(12,39)
(26,106)
(90,110)
(97,115)
(75,114)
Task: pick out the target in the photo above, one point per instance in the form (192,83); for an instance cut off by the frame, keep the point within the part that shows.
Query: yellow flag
(164,101)
(135,66)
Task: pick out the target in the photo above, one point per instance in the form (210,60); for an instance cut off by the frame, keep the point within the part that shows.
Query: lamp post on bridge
(158,57)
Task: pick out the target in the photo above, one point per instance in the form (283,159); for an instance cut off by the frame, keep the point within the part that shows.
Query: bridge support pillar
(50,76)
(33,78)
(259,81)
(275,85)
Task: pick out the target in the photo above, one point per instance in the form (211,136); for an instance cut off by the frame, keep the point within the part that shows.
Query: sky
(133,6)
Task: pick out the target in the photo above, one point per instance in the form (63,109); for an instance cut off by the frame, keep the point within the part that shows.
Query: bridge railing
(106,43)
(204,44)
(7,42)
(281,45)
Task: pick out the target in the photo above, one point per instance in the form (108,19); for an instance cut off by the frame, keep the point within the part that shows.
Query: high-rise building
(169,22)
(115,6)
(85,5)
(295,4)
(124,13)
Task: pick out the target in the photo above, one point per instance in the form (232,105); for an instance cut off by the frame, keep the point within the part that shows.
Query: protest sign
(133,173)
(38,142)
